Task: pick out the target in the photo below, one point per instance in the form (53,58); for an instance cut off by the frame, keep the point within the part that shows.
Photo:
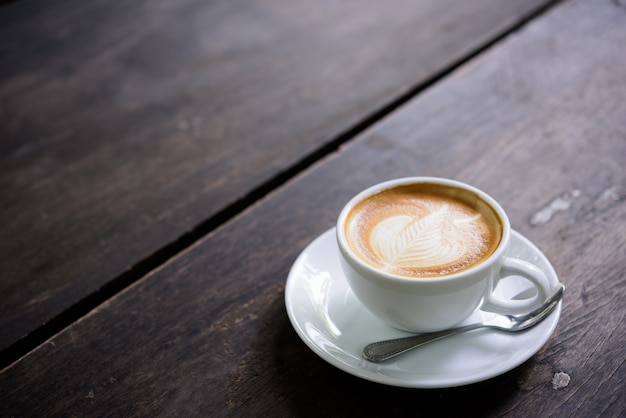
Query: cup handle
(517,267)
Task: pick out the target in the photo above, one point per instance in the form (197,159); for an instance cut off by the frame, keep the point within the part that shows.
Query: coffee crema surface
(423,230)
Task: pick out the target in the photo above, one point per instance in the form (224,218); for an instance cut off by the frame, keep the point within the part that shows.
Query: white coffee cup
(436,302)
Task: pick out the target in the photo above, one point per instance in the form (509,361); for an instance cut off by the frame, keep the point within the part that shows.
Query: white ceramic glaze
(334,324)
(433,304)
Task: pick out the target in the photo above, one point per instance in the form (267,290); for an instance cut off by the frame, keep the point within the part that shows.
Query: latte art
(407,242)
(420,233)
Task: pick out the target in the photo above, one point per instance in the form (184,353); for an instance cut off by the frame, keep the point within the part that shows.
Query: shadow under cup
(404,222)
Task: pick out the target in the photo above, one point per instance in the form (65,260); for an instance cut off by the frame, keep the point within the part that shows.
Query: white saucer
(333,323)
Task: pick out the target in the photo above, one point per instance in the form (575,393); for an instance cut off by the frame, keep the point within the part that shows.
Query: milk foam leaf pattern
(405,241)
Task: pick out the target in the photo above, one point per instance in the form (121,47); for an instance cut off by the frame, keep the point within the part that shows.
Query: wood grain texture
(124,127)
(534,121)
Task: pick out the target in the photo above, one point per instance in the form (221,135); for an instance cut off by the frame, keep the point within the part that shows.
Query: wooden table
(164,163)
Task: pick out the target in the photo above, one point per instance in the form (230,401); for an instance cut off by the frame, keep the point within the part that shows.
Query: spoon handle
(383,350)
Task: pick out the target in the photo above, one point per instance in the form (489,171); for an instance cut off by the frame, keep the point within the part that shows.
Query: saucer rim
(365,374)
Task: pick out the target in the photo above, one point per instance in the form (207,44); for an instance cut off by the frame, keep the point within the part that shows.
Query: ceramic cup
(436,302)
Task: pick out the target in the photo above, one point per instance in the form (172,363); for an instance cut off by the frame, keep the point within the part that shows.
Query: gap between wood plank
(72,314)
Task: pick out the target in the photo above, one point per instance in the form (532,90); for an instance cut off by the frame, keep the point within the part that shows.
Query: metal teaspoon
(383,350)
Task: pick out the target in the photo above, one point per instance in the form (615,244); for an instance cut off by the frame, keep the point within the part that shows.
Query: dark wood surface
(536,121)
(129,131)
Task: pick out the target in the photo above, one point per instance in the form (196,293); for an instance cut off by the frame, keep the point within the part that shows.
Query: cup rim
(349,254)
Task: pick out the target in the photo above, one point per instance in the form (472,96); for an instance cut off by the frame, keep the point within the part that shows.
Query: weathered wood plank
(537,122)
(125,126)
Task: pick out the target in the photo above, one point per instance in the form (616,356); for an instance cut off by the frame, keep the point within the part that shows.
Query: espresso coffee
(423,230)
